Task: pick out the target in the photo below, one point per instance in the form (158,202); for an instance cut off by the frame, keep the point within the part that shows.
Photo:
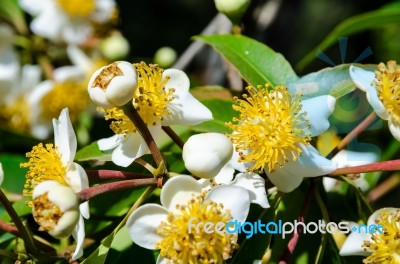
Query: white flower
(113,85)
(347,158)
(66,89)
(161,99)
(67,20)
(205,154)
(381,246)
(55,163)
(55,207)
(167,226)
(273,134)
(382,88)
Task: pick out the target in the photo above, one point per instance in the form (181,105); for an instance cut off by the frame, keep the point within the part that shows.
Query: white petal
(79,236)
(363,79)
(143,223)
(179,190)
(64,137)
(234,198)
(395,130)
(225,176)
(347,158)
(318,110)
(110,143)
(309,164)
(352,244)
(255,185)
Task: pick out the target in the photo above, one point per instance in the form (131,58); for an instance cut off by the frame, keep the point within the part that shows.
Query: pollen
(385,246)
(269,128)
(76,7)
(44,164)
(65,94)
(388,87)
(16,115)
(151,100)
(184,243)
(45,213)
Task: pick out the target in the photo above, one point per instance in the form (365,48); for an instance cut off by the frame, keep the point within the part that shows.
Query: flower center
(66,94)
(16,115)
(45,213)
(44,164)
(269,128)
(76,7)
(386,245)
(189,243)
(388,86)
(151,99)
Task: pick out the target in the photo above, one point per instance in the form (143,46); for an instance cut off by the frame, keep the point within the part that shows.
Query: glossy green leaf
(257,63)
(92,152)
(10,11)
(353,25)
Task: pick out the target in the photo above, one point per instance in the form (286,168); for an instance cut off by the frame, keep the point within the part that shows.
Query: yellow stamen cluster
(16,115)
(388,87)
(45,213)
(181,244)
(77,7)
(44,164)
(269,128)
(151,99)
(385,246)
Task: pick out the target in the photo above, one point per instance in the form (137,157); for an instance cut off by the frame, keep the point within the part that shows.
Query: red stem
(389,165)
(120,185)
(112,174)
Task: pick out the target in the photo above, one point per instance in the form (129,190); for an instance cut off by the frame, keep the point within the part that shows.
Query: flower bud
(234,9)
(115,47)
(113,85)
(205,154)
(55,208)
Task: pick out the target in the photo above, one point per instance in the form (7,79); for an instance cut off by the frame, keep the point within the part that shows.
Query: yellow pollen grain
(388,88)
(65,94)
(45,213)
(16,115)
(104,78)
(385,246)
(44,164)
(151,99)
(76,7)
(181,245)
(269,127)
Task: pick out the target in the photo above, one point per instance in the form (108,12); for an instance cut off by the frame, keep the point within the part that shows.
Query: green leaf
(92,152)
(355,24)
(334,81)
(257,63)
(10,10)
(222,112)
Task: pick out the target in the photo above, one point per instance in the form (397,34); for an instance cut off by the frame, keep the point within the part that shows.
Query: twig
(171,133)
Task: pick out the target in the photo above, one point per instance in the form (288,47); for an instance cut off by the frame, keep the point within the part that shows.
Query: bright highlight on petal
(269,128)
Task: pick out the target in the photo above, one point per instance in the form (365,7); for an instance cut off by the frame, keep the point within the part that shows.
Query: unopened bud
(113,85)
(55,208)
(205,154)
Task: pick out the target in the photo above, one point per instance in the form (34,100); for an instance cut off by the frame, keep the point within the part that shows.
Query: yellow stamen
(44,164)
(77,7)
(388,87)
(385,246)
(151,99)
(179,244)
(16,115)
(66,94)
(269,128)
(45,213)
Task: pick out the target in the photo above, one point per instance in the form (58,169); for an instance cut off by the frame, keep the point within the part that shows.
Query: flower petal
(64,137)
(395,130)
(309,164)
(179,190)
(234,198)
(318,110)
(143,223)
(255,184)
(79,236)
